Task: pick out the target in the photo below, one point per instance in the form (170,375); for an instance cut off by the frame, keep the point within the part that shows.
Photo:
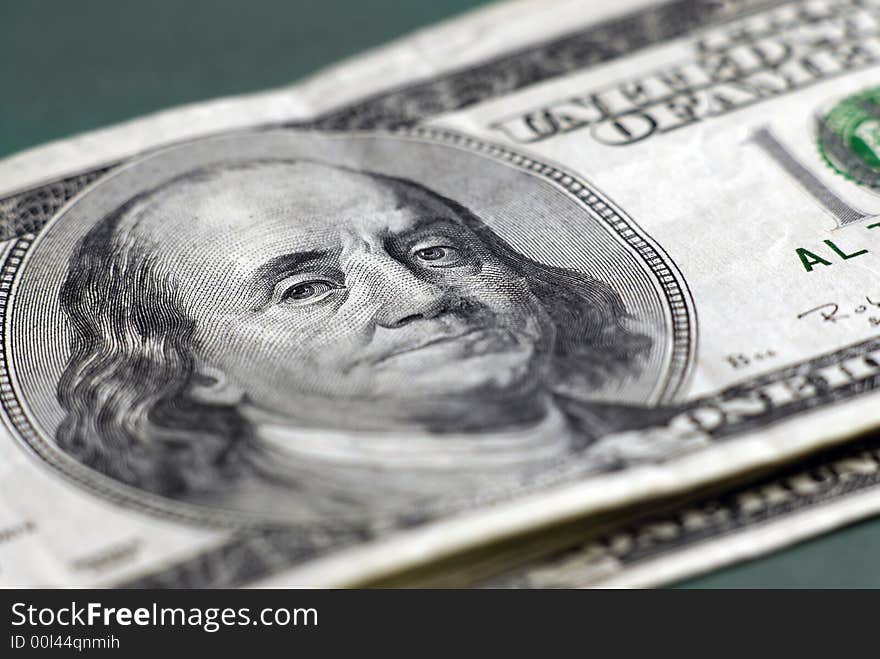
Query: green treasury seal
(849,138)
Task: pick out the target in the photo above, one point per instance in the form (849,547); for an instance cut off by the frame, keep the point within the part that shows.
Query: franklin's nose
(401,294)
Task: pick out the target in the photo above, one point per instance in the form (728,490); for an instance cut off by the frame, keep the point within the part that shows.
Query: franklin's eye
(307,291)
(438,255)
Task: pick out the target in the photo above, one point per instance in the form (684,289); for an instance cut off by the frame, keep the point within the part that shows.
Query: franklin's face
(318,292)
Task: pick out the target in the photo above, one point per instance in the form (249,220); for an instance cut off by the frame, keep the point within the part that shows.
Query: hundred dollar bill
(529,266)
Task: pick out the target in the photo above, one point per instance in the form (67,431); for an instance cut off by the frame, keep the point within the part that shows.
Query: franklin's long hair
(125,386)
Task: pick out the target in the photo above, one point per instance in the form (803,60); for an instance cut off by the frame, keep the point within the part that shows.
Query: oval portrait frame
(519,197)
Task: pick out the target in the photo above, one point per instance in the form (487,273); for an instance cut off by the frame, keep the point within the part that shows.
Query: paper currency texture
(607,255)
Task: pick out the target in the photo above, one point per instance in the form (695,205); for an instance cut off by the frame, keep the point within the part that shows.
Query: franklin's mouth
(431,343)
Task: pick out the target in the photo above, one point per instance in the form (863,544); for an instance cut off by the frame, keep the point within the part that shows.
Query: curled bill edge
(747,544)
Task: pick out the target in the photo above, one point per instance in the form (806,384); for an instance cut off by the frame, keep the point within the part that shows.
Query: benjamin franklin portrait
(288,332)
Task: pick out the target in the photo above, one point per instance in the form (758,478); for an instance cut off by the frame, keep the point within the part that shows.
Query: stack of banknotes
(555,294)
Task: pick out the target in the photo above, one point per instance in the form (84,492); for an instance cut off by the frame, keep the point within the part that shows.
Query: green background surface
(68,66)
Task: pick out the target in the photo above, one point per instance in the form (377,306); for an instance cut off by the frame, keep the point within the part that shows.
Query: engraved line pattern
(48,452)
(676,296)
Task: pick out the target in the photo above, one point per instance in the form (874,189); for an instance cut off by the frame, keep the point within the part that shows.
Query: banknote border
(407,104)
